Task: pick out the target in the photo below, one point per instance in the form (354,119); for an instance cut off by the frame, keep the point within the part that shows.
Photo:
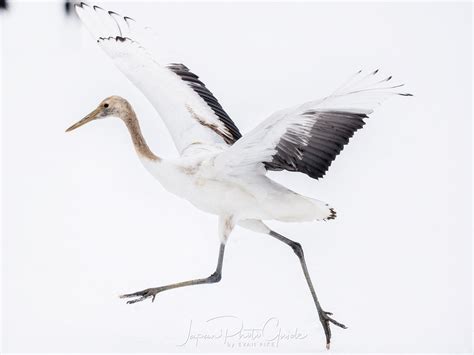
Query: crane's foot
(143,295)
(325,319)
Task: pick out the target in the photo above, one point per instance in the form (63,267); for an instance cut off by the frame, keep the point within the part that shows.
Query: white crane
(220,171)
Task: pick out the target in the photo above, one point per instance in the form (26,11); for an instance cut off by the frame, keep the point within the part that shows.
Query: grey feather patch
(314,149)
(198,86)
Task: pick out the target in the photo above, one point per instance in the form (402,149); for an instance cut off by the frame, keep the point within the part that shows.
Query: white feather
(173,98)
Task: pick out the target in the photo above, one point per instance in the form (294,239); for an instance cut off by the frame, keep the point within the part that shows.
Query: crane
(219,170)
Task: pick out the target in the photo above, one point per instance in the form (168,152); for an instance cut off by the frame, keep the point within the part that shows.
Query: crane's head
(113,106)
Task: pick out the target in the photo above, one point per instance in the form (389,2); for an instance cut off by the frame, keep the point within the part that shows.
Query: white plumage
(218,170)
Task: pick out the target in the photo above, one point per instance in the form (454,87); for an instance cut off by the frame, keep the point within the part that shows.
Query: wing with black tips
(307,138)
(190,111)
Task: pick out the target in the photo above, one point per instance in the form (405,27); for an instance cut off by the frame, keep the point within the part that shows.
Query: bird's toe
(141,295)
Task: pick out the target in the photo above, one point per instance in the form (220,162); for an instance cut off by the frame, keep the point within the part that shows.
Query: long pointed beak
(90,117)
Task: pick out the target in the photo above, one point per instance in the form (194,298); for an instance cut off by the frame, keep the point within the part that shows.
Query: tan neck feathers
(133,126)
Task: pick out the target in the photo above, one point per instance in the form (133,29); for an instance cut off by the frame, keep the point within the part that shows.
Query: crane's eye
(106,105)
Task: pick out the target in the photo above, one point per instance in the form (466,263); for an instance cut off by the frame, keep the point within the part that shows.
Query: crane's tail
(323,212)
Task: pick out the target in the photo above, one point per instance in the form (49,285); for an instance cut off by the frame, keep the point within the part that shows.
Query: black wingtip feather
(333,214)
(116,38)
(81,5)
(322,142)
(198,86)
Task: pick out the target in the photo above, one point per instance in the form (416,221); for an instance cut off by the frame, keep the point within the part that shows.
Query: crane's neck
(131,121)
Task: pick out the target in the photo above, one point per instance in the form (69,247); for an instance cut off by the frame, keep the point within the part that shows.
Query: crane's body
(219,170)
(197,180)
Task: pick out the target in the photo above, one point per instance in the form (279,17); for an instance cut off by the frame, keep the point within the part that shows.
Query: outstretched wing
(307,138)
(190,111)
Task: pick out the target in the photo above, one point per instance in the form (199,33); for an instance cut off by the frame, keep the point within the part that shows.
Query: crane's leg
(324,317)
(225,227)
(152,292)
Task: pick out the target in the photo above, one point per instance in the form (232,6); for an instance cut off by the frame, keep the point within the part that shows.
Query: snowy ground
(84,222)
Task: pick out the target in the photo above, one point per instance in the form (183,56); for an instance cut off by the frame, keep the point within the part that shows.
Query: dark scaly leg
(324,316)
(259,227)
(152,292)
(225,227)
